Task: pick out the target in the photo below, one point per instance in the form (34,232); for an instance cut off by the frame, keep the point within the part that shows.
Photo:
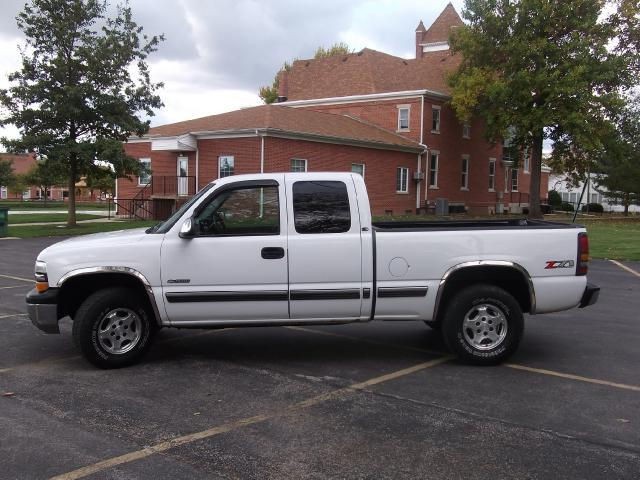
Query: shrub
(567,207)
(555,199)
(593,208)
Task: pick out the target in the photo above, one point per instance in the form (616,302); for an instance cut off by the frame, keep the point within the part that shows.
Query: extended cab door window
(321,207)
(241,211)
(325,257)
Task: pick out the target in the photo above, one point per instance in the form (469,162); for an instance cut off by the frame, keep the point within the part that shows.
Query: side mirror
(188,229)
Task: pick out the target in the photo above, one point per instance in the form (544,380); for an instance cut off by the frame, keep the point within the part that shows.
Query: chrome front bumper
(43,310)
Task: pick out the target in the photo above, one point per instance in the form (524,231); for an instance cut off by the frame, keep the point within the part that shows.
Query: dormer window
(403,117)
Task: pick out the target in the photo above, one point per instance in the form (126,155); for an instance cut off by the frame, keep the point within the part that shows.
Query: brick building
(380,115)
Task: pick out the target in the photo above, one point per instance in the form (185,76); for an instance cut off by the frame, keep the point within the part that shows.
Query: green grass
(48,217)
(51,204)
(81,229)
(618,240)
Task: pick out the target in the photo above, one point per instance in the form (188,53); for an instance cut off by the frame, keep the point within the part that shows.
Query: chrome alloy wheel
(119,331)
(485,326)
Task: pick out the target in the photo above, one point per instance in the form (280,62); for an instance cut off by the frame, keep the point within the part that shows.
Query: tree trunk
(536,175)
(626,201)
(71,215)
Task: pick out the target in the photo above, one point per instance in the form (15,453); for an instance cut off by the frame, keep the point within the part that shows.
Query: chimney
(283,86)
(420,31)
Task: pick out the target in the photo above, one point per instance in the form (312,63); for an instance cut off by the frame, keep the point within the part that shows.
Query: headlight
(42,281)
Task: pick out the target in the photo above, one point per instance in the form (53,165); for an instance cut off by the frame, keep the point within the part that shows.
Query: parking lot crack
(619,446)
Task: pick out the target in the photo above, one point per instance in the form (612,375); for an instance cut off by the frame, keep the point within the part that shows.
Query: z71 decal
(551,264)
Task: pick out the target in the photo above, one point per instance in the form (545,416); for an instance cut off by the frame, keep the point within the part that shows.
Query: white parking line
(11,277)
(13,286)
(13,315)
(624,267)
(552,373)
(228,427)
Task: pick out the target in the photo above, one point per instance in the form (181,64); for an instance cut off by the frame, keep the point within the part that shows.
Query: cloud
(217,54)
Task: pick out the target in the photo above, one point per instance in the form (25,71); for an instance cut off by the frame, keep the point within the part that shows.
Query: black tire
(95,327)
(483,325)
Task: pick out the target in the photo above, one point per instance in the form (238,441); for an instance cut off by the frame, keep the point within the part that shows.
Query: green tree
(7,177)
(46,174)
(269,93)
(620,160)
(543,69)
(83,86)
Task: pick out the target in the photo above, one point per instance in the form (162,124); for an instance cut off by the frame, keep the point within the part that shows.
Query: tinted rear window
(321,207)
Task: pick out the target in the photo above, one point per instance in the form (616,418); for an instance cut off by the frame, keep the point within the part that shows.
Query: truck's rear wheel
(112,328)
(483,325)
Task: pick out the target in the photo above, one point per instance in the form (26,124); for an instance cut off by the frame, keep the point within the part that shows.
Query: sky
(218,53)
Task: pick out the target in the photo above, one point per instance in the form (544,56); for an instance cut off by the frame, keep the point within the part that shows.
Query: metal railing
(173,186)
(131,208)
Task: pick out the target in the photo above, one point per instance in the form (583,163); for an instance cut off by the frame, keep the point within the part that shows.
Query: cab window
(241,211)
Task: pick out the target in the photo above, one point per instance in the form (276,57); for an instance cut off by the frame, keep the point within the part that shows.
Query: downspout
(197,166)
(425,149)
(261,152)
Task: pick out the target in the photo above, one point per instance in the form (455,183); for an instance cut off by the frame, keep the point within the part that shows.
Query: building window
(321,207)
(145,171)
(514,180)
(225,166)
(435,123)
(433,168)
(464,183)
(492,174)
(402,177)
(595,198)
(573,197)
(466,130)
(358,168)
(564,196)
(403,118)
(526,160)
(298,165)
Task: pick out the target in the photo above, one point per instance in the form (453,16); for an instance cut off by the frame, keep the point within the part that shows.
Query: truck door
(235,268)
(325,258)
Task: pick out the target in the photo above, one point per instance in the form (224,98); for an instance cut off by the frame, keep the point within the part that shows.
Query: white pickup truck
(302,249)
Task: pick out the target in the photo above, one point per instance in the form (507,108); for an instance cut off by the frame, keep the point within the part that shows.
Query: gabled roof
(370,71)
(440,29)
(286,120)
(367,72)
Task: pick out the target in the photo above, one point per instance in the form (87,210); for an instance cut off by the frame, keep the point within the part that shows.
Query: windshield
(164,227)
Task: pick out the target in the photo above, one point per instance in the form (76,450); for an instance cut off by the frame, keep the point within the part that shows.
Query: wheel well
(509,279)
(76,290)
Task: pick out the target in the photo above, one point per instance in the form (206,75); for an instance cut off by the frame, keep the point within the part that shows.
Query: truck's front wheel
(483,325)
(112,328)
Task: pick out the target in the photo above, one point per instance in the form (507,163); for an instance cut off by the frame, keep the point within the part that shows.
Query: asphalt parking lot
(359,401)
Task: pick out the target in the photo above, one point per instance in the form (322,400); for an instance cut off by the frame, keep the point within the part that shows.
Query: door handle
(272,253)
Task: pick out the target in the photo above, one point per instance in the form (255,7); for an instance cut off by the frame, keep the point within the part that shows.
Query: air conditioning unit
(417,176)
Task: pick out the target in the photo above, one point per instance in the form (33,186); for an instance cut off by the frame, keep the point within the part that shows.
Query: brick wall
(380,168)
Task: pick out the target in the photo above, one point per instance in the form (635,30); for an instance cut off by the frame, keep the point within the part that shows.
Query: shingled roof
(440,29)
(367,72)
(287,120)
(370,71)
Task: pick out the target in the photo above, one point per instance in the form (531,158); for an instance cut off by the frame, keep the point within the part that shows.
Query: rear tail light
(582,265)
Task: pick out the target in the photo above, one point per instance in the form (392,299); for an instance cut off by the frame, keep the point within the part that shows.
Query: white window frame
(466,130)
(514,180)
(435,170)
(404,108)
(436,128)
(146,160)
(358,165)
(402,174)
(293,168)
(492,174)
(526,160)
(221,158)
(4,193)
(564,196)
(464,173)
